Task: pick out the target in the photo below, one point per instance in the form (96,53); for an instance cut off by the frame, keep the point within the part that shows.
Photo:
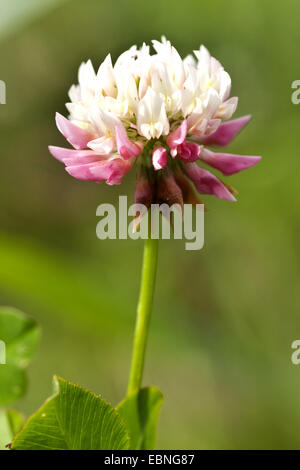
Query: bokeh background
(224,317)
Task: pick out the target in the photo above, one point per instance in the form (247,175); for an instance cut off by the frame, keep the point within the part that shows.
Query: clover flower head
(160,111)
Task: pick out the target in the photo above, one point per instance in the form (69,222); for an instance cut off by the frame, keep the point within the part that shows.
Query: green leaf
(13,384)
(75,419)
(10,423)
(19,336)
(140,412)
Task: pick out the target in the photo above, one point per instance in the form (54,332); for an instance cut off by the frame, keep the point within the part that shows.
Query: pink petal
(83,172)
(178,136)
(188,151)
(228,163)
(126,148)
(226,132)
(206,182)
(88,165)
(69,156)
(112,170)
(159,158)
(76,136)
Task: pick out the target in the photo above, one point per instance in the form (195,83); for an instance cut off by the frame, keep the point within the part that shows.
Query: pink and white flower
(160,111)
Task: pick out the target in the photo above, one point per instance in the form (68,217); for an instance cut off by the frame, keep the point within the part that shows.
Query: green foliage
(10,423)
(140,412)
(13,384)
(20,335)
(73,418)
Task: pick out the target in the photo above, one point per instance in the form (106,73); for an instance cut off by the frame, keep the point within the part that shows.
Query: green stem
(143,313)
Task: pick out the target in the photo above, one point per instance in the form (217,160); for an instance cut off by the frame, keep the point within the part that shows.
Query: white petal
(106,78)
(105,122)
(203,57)
(103,146)
(74,93)
(151,115)
(225,85)
(211,103)
(227,109)
(86,75)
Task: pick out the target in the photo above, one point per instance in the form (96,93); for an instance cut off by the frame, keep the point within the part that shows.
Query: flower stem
(143,313)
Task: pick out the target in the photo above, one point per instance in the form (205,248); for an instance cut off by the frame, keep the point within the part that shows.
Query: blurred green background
(224,317)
